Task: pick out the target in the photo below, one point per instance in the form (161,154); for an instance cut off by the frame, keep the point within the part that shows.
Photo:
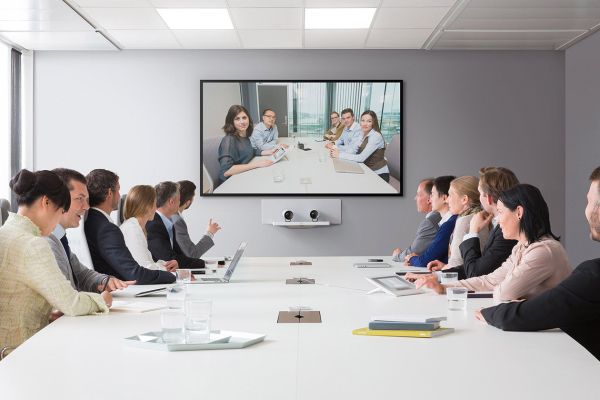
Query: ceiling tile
(274,39)
(207,39)
(145,39)
(418,3)
(495,45)
(112,3)
(59,40)
(341,3)
(189,3)
(267,18)
(335,39)
(33,4)
(398,38)
(524,24)
(38,26)
(534,3)
(126,18)
(264,3)
(409,18)
(511,35)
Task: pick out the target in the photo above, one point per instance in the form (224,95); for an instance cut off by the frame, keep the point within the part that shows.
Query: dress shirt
(528,271)
(263,138)
(32,285)
(476,235)
(375,142)
(137,243)
(346,142)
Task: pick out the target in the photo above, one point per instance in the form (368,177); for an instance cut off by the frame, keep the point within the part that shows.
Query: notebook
(421,318)
(402,333)
(135,306)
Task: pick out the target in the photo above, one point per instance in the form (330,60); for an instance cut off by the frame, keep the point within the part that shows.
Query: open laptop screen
(234,261)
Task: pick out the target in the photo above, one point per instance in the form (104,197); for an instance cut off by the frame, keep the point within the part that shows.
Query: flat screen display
(340,138)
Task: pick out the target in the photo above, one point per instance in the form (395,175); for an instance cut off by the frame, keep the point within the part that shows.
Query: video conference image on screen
(301,137)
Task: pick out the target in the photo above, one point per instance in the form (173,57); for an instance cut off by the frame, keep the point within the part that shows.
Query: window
(5,121)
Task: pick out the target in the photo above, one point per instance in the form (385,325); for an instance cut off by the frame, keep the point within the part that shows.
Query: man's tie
(65,243)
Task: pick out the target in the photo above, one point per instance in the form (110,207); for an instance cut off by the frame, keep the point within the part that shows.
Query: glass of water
(457,298)
(197,320)
(172,323)
(176,296)
(447,277)
(183,275)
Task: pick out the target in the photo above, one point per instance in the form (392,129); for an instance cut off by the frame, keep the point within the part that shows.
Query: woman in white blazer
(140,206)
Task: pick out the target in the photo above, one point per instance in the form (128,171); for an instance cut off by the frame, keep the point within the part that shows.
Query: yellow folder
(401,333)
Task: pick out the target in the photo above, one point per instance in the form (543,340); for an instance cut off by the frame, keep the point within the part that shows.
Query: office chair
(210,158)
(4,207)
(393,157)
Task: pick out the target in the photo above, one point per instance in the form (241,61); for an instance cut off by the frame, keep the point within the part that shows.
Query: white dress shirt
(137,243)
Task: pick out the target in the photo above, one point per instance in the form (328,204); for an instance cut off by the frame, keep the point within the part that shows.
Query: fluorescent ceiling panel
(338,18)
(196,18)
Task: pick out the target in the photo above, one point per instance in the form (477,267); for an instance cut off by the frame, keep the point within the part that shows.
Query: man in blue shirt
(264,136)
(347,143)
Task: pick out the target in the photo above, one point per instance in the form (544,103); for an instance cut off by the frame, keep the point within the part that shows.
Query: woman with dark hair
(370,150)
(236,154)
(537,263)
(31,283)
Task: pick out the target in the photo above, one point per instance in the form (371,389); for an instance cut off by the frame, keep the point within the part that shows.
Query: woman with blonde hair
(139,208)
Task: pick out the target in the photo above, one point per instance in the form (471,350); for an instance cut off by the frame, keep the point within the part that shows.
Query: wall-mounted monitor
(311,138)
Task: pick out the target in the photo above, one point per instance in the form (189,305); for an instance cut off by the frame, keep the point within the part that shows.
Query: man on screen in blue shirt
(347,143)
(264,136)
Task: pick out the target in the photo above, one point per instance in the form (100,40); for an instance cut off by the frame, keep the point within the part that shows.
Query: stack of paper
(405,325)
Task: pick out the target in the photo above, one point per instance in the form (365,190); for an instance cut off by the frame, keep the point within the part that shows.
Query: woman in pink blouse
(537,263)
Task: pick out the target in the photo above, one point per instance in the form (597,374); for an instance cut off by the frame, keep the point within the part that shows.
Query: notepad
(403,333)
(135,306)
(422,318)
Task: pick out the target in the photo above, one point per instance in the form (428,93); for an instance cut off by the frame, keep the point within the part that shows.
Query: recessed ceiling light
(196,18)
(338,18)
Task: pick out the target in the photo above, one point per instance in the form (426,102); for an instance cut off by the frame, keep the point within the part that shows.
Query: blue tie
(65,243)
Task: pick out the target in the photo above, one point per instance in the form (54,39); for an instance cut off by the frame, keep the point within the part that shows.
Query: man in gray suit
(427,228)
(186,192)
(81,277)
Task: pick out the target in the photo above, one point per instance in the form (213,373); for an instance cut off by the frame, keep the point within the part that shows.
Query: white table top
(86,357)
(297,164)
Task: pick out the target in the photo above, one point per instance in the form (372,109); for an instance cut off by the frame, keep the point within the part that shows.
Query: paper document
(135,306)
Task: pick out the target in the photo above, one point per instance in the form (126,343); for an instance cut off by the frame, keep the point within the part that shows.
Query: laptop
(349,167)
(230,269)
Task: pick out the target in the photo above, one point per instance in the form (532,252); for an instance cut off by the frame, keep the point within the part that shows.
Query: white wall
(137,113)
(218,97)
(582,145)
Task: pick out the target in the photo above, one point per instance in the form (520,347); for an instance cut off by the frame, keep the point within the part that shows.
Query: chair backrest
(207,182)
(120,216)
(4,207)
(78,243)
(210,158)
(392,154)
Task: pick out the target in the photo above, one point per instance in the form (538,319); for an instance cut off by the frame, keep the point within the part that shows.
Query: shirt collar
(167,221)
(104,213)
(176,217)
(445,218)
(59,231)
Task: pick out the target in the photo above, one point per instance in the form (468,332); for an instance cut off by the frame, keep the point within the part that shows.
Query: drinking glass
(172,323)
(176,296)
(447,277)
(457,298)
(197,320)
(183,275)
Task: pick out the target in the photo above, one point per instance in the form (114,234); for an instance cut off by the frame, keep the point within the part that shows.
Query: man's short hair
(187,190)
(266,110)
(495,180)
(98,183)
(165,191)
(68,175)
(442,184)
(595,177)
(427,185)
(348,110)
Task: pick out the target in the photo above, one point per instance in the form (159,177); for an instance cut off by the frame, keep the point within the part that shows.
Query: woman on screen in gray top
(236,154)
(370,149)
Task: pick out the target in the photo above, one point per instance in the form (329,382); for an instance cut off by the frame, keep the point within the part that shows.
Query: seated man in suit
(492,182)
(82,278)
(107,246)
(162,238)
(189,248)
(336,129)
(573,305)
(427,228)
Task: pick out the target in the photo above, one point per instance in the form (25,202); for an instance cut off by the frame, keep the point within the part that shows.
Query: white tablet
(393,285)
(278,155)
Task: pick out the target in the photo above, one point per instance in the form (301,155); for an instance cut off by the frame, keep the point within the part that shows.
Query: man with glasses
(336,129)
(351,131)
(264,136)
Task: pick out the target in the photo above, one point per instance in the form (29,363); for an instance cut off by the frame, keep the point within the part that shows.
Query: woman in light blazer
(139,208)
(537,263)
(31,284)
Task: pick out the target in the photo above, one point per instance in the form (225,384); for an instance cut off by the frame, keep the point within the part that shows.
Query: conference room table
(88,358)
(305,171)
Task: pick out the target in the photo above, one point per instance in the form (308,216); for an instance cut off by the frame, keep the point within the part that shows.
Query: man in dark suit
(573,305)
(105,240)
(162,242)
(492,182)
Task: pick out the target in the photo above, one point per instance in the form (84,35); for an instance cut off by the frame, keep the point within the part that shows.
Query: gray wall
(582,144)
(463,110)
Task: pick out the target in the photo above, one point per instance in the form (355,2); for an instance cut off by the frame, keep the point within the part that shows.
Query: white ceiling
(279,24)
